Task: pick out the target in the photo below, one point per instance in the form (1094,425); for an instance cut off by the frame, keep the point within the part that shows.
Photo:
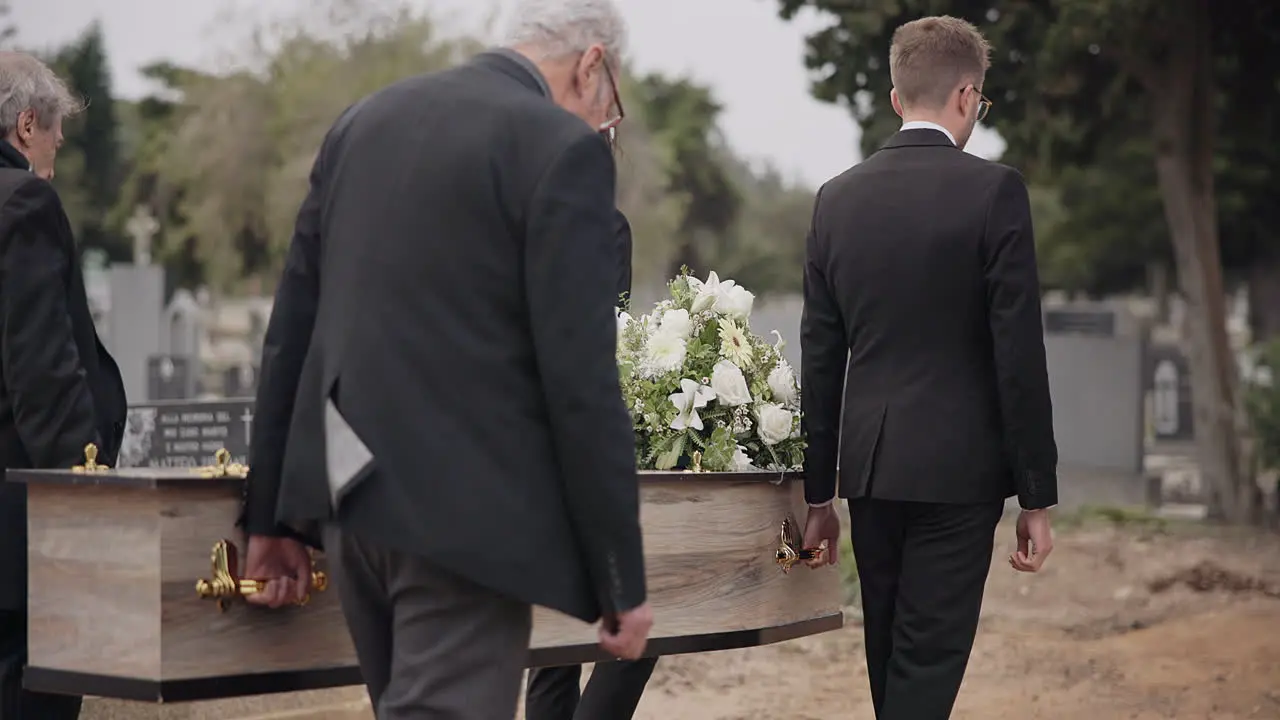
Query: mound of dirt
(1209,576)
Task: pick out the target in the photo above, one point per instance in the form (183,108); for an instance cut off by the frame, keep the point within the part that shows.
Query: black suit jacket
(623,234)
(922,332)
(59,387)
(451,287)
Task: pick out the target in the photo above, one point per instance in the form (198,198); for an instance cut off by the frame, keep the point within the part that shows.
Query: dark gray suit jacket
(449,289)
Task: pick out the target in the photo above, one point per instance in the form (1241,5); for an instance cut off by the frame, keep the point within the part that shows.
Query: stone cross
(142,227)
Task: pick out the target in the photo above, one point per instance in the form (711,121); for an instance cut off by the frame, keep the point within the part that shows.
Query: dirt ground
(1131,619)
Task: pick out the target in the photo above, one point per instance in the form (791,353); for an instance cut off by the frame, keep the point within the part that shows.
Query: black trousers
(922,569)
(612,693)
(16,703)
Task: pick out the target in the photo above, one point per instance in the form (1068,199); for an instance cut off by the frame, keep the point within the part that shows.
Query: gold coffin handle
(90,461)
(226,583)
(789,551)
(222,467)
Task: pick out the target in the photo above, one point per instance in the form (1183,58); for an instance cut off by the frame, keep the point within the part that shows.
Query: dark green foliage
(1072,85)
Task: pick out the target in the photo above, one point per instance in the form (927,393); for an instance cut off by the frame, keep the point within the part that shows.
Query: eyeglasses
(984,105)
(610,125)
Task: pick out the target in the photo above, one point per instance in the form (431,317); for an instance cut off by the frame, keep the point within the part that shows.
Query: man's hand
(625,634)
(1035,541)
(823,526)
(286,566)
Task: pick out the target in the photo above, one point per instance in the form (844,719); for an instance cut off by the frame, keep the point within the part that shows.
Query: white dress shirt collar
(926,125)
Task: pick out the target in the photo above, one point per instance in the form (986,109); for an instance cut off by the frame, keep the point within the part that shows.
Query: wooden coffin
(120,560)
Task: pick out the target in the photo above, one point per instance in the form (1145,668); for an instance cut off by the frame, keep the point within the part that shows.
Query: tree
(225,158)
(682,116)
(1077,80)
(7,31)
(764,249)
(89,164)
(222,158)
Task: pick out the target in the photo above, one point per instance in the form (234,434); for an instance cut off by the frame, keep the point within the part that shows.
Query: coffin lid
(223,470)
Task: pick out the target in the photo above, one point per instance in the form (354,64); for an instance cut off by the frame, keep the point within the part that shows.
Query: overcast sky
(751,59)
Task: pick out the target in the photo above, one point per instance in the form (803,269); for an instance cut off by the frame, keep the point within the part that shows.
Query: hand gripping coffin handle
(226,583)
(789,551)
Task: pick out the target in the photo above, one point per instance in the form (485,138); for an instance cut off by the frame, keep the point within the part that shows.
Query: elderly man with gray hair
(439,393)
(61,389)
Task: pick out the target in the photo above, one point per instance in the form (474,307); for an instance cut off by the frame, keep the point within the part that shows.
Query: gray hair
(557,28)
(28,84)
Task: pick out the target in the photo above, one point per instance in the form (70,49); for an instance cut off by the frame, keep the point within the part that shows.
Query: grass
(1136,518)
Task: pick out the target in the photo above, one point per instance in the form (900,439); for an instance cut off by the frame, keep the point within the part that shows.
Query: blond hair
(933,56)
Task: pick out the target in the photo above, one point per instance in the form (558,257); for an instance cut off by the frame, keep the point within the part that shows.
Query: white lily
(705,293)
(693,396)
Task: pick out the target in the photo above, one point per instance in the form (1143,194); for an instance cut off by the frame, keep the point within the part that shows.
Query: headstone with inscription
(186,434)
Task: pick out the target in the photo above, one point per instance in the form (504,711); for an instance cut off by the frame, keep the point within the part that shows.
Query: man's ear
(591,63)
(26,126)
(897,104)
(968,94)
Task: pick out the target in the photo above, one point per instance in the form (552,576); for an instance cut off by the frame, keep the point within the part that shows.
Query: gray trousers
(432,645)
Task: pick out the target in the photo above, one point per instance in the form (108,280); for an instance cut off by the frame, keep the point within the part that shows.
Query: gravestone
(184,324)
(1095,355)
(1080,321)
(186,433)
(142,227)
(137,298)
(170,377)
(240,381)
(1169,383)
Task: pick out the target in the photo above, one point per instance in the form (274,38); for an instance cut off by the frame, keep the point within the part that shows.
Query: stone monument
(137,297)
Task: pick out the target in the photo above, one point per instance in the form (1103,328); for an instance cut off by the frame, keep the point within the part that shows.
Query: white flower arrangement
(696,380)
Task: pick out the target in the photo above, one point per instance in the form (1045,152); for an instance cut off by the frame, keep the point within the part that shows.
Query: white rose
(773,423)
(741,461)
(734,300)
(624,320)
(782,383)
(664,353)
(676,323)
(729,384)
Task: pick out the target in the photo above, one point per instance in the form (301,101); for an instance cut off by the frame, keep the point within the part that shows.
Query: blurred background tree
(221,158)
(7,30)
(89,169)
